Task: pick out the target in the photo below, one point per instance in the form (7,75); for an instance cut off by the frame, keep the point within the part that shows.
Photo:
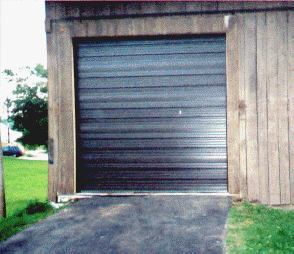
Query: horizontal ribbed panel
(151,115)
(152,47)
(87,114)
(190,185)
(150,81)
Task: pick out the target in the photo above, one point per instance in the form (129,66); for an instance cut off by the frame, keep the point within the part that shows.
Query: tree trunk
(2,190)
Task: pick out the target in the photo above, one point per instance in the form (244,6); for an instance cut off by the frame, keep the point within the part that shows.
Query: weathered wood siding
(265,61)
(259,82)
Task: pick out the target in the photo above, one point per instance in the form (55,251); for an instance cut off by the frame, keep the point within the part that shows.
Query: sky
(22,38)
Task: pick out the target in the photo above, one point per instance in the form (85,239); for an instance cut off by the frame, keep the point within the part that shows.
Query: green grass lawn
(24,180)
(25,184)
(258,228)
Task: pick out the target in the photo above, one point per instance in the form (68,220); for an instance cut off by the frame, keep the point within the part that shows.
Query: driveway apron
(130,224)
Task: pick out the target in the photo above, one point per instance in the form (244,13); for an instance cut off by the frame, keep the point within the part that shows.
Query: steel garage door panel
(151,115)
(150,81)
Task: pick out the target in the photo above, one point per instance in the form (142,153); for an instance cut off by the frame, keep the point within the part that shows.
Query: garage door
(151,115)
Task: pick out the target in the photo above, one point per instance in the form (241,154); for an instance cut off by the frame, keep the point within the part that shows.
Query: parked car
(12,151)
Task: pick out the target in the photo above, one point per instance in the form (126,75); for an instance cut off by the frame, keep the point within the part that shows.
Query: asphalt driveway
(130,224)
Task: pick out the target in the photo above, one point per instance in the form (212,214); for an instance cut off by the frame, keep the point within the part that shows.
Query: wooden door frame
(61,89)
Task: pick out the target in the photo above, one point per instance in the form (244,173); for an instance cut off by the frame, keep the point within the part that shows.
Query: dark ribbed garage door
(151,115)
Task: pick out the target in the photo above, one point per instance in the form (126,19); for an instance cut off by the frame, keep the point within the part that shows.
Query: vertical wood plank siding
(265,83)
(273,118)
(290,75)
(262,108)
(251,114)
(282,109)
(242,116)
(259,82)
(232,111)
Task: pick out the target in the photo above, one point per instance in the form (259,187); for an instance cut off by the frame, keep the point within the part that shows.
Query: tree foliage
(8,104)
(40,71)
(30,112)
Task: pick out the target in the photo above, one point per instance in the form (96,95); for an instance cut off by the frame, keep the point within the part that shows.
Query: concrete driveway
(130,224)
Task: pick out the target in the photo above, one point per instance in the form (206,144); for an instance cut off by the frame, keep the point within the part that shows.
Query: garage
(170,97)
(151,114)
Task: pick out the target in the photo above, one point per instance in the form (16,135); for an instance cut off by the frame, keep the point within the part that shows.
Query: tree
(30,112)
(9,73)
(9,78)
